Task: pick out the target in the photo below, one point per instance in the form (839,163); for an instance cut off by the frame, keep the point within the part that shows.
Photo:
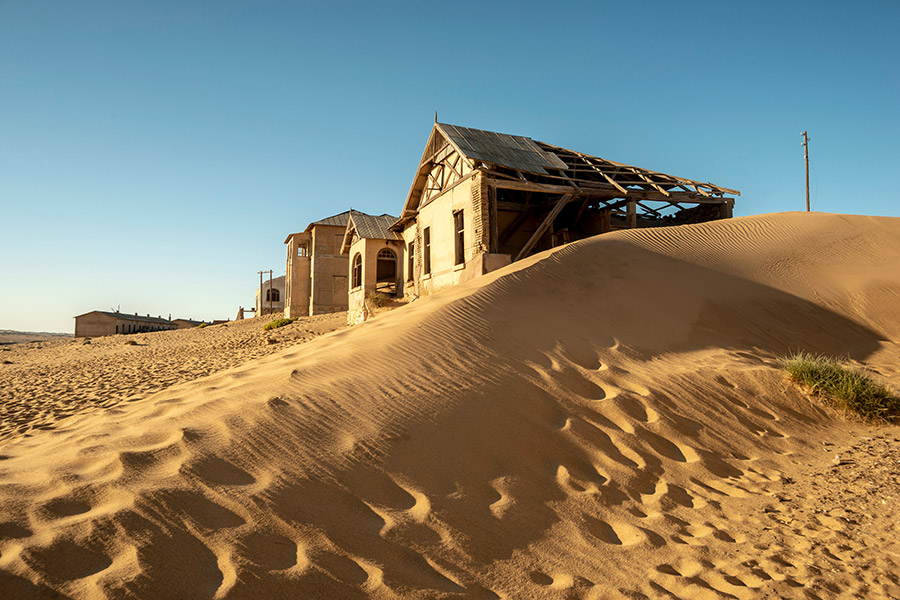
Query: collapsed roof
(518,162)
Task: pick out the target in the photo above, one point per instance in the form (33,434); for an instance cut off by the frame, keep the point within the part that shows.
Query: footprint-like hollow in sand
(620,535)
(217,471)
(66,507)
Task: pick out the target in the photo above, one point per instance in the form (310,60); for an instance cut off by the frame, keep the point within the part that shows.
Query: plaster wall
(263,306)
(328,276)
(297,277)
(100,324)
(438,215)
(368,249)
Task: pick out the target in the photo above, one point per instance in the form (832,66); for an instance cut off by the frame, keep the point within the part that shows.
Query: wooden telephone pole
(806,160)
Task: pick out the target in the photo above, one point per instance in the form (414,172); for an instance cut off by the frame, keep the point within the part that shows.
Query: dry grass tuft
(849,390)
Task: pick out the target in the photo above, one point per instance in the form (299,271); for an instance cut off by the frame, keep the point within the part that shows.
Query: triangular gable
(512,151)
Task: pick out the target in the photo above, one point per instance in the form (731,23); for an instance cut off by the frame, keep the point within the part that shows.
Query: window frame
(356,271)
(426,251)
(459,237)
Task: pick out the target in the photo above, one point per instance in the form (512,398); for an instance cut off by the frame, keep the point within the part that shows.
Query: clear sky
(154,155)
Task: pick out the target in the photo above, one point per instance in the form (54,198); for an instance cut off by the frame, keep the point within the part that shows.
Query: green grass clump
(849,390)
(202,325)
(278,323)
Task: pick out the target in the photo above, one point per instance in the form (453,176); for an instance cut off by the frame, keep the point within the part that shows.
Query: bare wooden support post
(270,291)
(806,160)
(631,215)
(260,311)
(545,224)
(605,226)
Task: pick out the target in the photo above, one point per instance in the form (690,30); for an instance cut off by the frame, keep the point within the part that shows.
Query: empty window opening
(459,228)
(273,295)
(411,253)
(356,272)
(303,249)
(426,250)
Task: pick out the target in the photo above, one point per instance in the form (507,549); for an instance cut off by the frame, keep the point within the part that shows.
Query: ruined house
(480,200)
(316,273)
(376,259)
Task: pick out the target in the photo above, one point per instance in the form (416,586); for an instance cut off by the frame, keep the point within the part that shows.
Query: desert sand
(606,420)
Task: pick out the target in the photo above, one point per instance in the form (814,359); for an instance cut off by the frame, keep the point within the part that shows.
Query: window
(273,295)
(356,272)
(459,228)
(426,250)
(303,249)
(411,252)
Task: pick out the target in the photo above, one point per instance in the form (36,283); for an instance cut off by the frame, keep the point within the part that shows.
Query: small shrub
(202,325)
(849,390)
(131,343)
(278,323)
(7,362)
(376,299)
(86,341)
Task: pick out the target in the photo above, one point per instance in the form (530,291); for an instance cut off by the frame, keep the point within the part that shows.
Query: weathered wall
(297,277)
(368,249)
(328,278)
(97,324)
(438,215)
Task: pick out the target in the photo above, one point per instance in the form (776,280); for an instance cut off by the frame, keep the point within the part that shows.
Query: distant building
(99,323)
(270,297)
(187,323)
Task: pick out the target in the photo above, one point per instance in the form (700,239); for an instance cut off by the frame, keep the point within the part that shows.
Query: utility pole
(260,308)
(806,160)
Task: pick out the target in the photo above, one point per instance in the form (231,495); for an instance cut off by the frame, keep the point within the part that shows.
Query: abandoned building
(316,273)
(376,253)
(188,323)
(480,200)
(270,296)
(99,323)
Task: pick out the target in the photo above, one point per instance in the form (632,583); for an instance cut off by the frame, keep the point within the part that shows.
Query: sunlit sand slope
(603,421)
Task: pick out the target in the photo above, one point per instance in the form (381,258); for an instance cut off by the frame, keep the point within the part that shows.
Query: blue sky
(155,156)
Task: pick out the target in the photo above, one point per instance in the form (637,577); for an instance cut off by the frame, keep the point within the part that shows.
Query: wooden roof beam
(542,228)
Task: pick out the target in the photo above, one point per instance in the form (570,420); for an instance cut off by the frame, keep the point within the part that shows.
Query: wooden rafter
(554,212)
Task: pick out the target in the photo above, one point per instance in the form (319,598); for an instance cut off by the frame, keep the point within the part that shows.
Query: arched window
(356,273)
(272,295)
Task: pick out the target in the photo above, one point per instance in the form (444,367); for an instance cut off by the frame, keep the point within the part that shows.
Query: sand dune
(602,421)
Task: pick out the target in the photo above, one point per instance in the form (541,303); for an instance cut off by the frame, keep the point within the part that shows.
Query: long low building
(98,323)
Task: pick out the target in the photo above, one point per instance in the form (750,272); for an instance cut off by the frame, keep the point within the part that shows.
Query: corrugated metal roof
(374,226)
(338,219)
(513,151)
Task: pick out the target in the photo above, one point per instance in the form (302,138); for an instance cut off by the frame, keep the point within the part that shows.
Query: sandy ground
(46,380)
(603,421)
